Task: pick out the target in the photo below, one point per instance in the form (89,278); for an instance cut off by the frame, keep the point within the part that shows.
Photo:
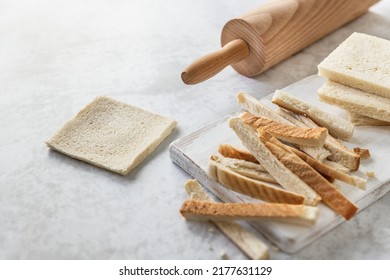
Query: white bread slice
(356,101)
(338,152)
(245,168)
(314,137)
(337,127)
(329,194)
(337,166)
(112,135)
(250,187)
(361,61)
(249,243)
(361,120)
(255,107)
(204,210)
(233,152)
(288,180)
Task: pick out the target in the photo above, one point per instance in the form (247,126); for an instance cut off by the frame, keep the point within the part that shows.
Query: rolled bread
(112,135)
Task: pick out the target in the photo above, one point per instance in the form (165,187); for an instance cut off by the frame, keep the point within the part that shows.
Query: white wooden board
(193,152)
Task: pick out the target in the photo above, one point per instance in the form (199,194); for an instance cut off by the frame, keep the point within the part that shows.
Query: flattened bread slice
(329,194)
(251,187)
(255,107)
(356,101)
(361,120)
(249,243)
(205,210)
(112,135)
(314,137)
(287,179)
(338,127)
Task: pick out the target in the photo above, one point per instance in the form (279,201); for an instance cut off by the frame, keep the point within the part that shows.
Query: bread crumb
(370,174)
(363,153)
(275,249)
(224,256)
(211,247)
(211,229)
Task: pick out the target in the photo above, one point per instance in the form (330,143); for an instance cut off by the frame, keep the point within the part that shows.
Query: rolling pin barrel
(258,40)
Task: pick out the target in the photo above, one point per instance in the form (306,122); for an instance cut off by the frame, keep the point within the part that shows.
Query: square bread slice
(361,61)
(356,101)
(112,135)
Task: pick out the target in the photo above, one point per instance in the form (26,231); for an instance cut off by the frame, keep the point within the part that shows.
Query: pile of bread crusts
(293,153)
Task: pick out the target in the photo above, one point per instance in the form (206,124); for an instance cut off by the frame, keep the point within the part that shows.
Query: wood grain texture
(278,29)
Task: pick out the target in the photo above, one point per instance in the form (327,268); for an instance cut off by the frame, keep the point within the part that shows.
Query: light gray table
(56,56)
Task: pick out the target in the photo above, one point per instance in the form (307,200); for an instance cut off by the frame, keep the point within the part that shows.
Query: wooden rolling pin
(273,32)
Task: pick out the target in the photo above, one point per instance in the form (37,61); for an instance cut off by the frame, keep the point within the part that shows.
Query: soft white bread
(249,243)
(329,194)
(233,152)
(354,100)
(338,152)
(337,127)
(361,61)
(314,137)
(255,107)
(251,187)
(287,179)
(361,120)
(205,210)
(245,168)
(112,135)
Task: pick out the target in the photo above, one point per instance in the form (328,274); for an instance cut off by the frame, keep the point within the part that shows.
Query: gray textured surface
(56,56)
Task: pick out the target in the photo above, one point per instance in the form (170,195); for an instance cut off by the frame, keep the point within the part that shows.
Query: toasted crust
(245,168)
(339,128)
(250,187)
(233,152)
(205,210)
(314,137)
(331,196)
(255,107)
(363,153)
(250,244)
(283,175)
(338,152)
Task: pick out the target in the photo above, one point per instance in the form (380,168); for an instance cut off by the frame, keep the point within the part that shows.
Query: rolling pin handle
(213,63)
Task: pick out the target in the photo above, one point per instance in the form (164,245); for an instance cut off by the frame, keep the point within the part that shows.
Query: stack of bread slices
(358,73)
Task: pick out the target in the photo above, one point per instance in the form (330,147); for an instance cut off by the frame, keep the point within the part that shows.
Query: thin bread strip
(245,168)
(361,61)
(331,196)
(205,210)
(255,107)
(232,152)
(250,187)
(314,137)
(337,166)
(361,120)
(337,127)
(236,153)
(363,153)
(339,153)
(354,100)
(249,243)
(282,174)
(324,169)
